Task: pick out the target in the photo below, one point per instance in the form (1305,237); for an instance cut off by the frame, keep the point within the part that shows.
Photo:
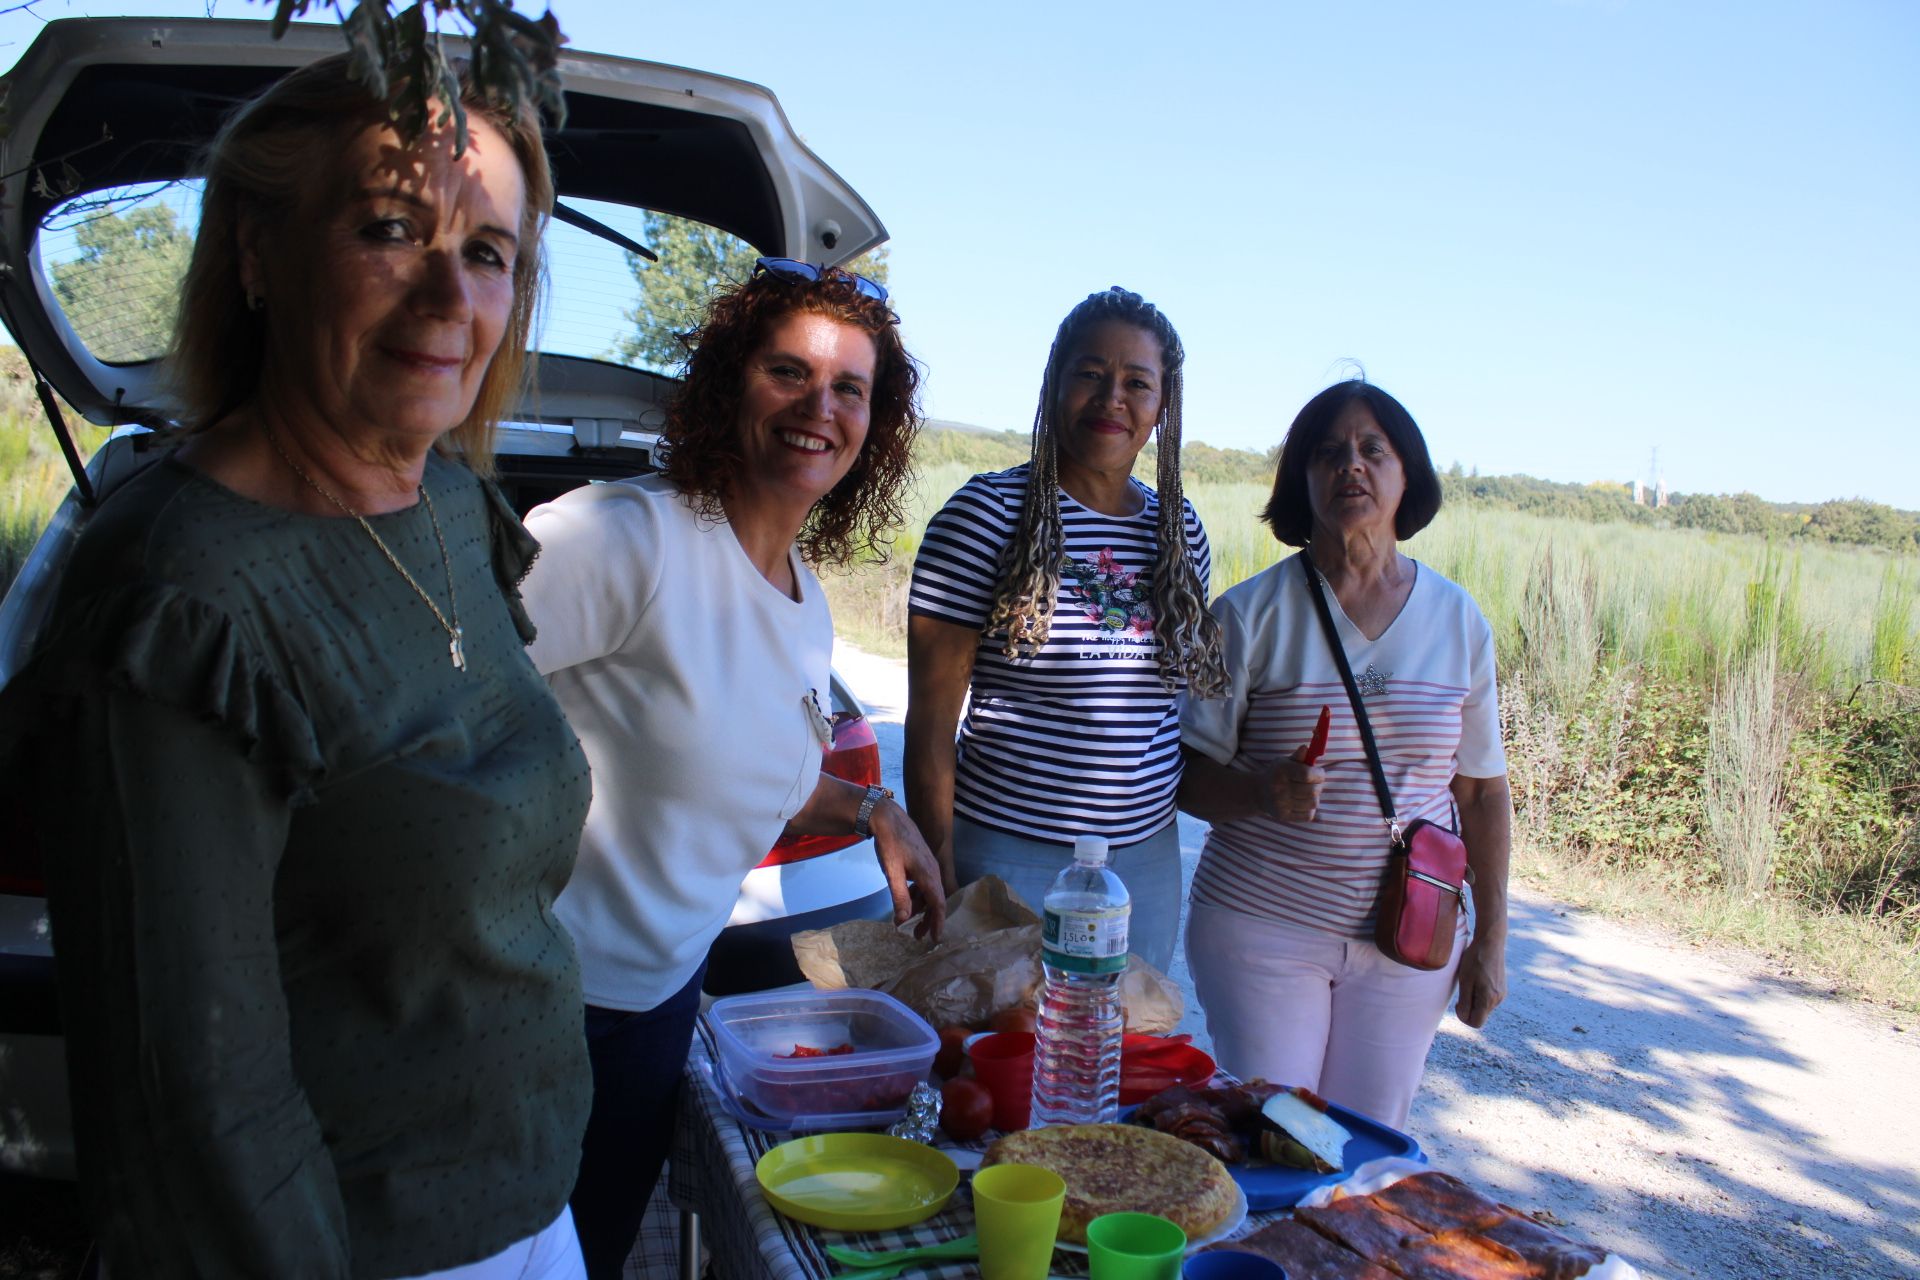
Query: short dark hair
(1289,512)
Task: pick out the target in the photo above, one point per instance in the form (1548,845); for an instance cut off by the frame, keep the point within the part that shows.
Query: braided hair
(1189,636)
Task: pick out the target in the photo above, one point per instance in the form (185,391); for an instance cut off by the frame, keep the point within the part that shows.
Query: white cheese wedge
(1301,1135)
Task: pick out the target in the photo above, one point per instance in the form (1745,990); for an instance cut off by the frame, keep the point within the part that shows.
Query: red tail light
(854,756)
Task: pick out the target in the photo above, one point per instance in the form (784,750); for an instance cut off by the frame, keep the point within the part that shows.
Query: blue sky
(1565,234)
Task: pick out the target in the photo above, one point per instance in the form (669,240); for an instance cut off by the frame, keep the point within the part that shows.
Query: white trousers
(1300,1007)
(551,1254)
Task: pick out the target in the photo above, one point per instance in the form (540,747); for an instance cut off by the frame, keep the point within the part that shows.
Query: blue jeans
(637,1062)
(1149,868)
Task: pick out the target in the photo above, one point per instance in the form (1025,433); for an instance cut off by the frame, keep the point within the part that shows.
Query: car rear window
(113,261)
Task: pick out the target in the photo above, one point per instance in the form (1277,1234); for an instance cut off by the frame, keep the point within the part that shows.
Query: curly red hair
(859,515)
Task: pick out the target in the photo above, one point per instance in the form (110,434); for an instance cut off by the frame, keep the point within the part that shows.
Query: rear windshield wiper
(593,226)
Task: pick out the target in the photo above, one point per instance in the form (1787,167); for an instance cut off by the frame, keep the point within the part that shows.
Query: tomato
(966,1109)
(1018,1018)
(953,1051)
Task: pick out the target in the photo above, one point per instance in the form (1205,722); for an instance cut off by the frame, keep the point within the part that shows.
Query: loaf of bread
(1434,1227)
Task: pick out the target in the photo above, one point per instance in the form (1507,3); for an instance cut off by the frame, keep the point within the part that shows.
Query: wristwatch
(874,796)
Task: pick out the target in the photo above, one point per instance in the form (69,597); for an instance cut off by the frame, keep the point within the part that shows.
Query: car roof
(100,103)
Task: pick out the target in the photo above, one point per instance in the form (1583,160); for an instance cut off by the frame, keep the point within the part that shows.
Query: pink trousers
(1300,1007)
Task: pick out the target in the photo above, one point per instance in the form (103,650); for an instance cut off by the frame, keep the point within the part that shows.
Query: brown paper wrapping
(988,962)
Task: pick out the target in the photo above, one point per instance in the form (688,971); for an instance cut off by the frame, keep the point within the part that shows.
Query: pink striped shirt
(1428,682)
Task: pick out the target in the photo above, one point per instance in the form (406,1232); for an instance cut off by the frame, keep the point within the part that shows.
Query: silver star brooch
(1373,680)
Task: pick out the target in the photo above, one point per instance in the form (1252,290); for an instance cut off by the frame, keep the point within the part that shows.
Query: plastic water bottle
(1083,949)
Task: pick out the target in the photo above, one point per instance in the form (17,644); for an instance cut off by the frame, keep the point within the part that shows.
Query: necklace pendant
(459,654)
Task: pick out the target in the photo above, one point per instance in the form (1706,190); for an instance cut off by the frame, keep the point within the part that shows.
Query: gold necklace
(454,634)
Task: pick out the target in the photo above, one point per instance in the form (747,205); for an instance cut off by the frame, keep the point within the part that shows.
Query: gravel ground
(1700,1114)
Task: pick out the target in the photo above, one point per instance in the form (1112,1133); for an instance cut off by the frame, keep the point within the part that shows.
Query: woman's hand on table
(913,873)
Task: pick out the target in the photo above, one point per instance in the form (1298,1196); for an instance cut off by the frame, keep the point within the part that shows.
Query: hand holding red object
(1290,791)
(1317,745)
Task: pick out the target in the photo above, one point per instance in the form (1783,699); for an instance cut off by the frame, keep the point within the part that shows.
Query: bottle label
(1085,941)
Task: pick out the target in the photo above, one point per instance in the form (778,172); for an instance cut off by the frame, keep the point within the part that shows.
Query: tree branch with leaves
(401,58)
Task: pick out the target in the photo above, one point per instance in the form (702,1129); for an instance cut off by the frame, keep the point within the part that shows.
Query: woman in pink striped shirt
(1280,935)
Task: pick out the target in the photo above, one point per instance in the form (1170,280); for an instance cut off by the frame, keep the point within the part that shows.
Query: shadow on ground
(1641,1076)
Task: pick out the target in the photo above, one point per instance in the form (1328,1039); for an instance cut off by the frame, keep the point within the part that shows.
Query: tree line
(1845,520)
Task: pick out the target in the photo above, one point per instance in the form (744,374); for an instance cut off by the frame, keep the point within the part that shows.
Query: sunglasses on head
(809,272)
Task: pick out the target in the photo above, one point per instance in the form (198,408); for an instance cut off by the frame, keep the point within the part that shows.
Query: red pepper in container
(1317,745)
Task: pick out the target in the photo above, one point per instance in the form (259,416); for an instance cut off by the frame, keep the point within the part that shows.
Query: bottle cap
(1091,850)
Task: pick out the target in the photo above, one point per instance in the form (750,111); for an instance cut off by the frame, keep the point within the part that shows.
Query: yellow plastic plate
(856,1181)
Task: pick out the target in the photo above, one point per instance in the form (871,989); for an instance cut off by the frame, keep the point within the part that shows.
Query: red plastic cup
(1003,1062)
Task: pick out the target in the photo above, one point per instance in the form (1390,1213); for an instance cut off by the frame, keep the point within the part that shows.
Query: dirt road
(1694,1112)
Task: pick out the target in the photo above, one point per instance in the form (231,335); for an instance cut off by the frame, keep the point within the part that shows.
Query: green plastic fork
(887,1272)
(880,1265)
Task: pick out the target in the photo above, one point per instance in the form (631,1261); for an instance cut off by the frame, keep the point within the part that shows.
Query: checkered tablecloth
(713,1175)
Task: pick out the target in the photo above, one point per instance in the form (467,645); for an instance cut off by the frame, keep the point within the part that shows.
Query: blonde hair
(1189,636)
(264,163)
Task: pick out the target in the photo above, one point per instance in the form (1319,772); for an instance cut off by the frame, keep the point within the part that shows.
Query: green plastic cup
(1016,1210)
(1134,1246)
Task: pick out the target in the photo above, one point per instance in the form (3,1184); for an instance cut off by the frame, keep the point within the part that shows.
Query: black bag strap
(1353,694)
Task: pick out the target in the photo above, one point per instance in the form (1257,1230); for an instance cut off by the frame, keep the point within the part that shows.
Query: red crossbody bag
(1424,889)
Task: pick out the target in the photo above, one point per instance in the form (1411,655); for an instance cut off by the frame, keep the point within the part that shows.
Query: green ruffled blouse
(320,1017)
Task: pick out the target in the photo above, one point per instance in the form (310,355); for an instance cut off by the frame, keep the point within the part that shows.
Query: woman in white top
(1280,935)
(689,644)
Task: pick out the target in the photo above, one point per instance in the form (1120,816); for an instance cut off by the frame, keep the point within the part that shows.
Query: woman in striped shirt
(1069,600)
(1280,934)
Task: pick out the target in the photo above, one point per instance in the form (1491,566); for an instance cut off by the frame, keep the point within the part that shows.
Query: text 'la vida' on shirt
(1428,685)
(1084,736)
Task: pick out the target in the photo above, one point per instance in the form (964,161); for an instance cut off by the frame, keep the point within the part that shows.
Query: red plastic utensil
(1317,745)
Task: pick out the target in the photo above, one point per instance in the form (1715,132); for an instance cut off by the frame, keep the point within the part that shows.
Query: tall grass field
(33,475)
(1706,728)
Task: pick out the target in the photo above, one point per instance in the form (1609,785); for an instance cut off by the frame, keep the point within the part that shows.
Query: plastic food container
(889,1049)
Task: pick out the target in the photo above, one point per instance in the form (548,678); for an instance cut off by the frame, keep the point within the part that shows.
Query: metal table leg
(689,1245)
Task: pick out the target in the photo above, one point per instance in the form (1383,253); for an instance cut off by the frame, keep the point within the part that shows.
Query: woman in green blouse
(315,804)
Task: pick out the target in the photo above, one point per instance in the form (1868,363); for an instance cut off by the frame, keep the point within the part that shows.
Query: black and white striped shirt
(1083,737)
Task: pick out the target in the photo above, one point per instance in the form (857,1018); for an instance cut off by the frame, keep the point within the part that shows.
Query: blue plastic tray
(1274,1186)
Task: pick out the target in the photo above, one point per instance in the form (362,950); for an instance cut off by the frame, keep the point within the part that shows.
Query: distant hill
(1848,520)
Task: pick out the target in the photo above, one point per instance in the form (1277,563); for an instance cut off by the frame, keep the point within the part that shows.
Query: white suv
(104,116)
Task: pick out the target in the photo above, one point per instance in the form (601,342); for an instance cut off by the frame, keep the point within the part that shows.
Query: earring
(255,302)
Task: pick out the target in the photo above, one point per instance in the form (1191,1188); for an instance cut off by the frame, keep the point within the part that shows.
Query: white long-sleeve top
(689,679)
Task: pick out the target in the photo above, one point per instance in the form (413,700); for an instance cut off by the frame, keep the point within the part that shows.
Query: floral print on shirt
(1110,595)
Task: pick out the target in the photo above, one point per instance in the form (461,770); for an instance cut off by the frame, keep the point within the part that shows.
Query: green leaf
(515,59)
